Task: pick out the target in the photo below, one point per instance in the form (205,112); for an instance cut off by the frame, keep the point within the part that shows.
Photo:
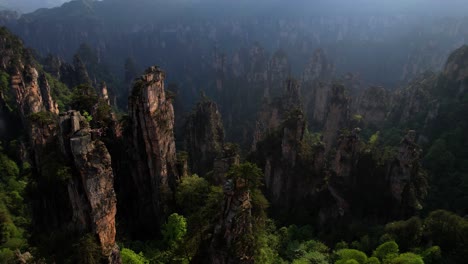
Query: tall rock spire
(152,148)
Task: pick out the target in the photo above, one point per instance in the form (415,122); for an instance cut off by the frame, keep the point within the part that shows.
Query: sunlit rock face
(152,148)
(83,200)
(96,208)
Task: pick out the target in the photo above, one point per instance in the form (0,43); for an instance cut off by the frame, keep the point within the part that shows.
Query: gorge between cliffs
(219,132)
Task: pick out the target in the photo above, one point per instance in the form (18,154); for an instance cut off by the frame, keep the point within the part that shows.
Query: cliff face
(30,96)
(407,180)
(227,158)
(337,115)
(372,106)
(271,115)
(277,145)
(227,245)
(204,137)
(70,74)
(152,149)
(456,67)
(278,71)
(412,103)
(72,178)
(98,203)
(315,88)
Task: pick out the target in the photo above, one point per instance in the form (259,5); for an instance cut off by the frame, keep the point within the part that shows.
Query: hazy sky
(26,6)
(453,7)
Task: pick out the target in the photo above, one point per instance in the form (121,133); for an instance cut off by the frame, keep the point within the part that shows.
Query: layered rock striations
(151,149)
(95,209)
(272,114)
(337,115)
(228,244)
(223,162)
(315,87)
(72,181)
(204,136)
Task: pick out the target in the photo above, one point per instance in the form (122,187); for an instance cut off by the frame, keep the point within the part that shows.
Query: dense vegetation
(436,233)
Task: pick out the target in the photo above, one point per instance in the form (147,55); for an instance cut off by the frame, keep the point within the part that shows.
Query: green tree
(175,229)
(192,193)
(407,258)
(88,251)
(373,260)
(345,255)
(84,98)
(248,173)
(386,250)
(406,233)
(432,255)
(130,257)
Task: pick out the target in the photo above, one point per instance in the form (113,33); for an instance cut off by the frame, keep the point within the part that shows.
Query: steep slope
(152,150)
(204,136)
(72,184)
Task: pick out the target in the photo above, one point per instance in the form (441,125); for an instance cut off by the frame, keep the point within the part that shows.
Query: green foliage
(130,257)
(386,250)
(345,255)
(312,258)
(447,230)
(374,138)
(43,118)
(310,144)
(88,251)
(201,204)
(407,258)
(192,193)
(175,229)
(87,116)
(13,214)
(6,92)
(432,255)
(373,260)
(84,98)
(406,233)
(7,256)
(59,92)
(341,245)
(248,173)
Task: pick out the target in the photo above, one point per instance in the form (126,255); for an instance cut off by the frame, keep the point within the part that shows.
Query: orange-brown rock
(152,148)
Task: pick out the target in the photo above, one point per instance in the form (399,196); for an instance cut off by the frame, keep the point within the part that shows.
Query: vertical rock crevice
(152,150)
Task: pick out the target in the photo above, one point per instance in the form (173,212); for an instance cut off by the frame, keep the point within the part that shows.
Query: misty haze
(226,132)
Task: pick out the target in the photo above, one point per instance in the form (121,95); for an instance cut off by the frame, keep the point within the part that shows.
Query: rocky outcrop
(318,68)
(337,115)
(372,106)
(228,245)
(407,180)
(278,72)
(281,159)
(413,103)
(345,160)
(68,159)
(70,74)
(223,162)
(204,137)
(456,67)
(315,87)
(32,93)
(273,114)
(151,149)
(92,161)
(398,180)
